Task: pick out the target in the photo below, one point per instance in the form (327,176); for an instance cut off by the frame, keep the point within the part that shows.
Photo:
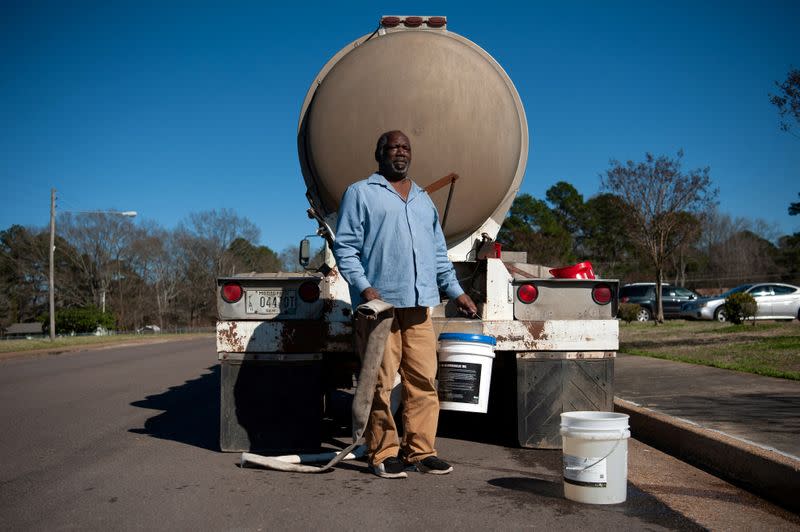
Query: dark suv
(644,295)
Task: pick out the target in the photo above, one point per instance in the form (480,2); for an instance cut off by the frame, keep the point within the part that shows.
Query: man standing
(389,245)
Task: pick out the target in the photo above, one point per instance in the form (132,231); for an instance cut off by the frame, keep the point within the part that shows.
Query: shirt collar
(378,179)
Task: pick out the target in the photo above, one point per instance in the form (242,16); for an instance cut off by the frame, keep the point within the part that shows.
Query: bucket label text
(585,471)
(459,382)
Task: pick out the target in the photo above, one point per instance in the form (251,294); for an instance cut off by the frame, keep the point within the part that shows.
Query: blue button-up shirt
(392,245)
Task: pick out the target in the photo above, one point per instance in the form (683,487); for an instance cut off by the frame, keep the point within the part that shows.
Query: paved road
(126,438)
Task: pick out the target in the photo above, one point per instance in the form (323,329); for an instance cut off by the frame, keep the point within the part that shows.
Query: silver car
(776,301)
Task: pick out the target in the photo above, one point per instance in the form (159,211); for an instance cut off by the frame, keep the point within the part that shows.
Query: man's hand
(369,294)
(466,306)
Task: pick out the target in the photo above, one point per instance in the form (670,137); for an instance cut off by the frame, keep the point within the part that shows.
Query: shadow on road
(190,412)
(550,492)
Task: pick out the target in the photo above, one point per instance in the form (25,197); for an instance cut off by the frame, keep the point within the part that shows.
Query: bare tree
(737,250)
(102,248)
(165,274)
(658,194)
(201,248)
(289,259)
(217,230)
(689,233)
(154,261)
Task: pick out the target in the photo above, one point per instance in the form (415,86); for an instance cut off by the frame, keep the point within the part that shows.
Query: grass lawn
(66,343)
(766,348)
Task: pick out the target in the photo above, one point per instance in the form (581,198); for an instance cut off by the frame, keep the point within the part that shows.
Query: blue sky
(171,107)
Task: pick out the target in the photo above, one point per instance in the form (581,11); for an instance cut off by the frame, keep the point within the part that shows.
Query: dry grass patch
(766,348)
(70,343)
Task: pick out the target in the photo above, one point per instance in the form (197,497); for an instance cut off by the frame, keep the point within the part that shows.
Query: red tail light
(602,294)
(413,22)
(232,292)
(390,22)
(527,293)
(309,292)
(436,22)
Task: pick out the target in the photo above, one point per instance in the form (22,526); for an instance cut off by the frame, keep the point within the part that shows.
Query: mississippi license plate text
(271,301)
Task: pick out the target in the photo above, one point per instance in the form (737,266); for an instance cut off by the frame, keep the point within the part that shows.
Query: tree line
(653,221)
(144,274)
(139,274)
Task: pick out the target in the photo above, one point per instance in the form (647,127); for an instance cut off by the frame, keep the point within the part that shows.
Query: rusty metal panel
(499,294)
(553,335)
(548,387)
(305,336)
(336,304)
(302,336)
(567,355)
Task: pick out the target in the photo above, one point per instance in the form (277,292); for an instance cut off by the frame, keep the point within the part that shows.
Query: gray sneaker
(434,466)
(392,467)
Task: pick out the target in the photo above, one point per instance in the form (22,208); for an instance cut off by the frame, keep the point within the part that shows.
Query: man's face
(396,156)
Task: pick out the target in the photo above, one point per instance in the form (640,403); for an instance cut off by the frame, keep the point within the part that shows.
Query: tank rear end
(457,105)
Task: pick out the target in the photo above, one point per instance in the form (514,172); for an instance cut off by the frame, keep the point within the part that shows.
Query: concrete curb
(765,472)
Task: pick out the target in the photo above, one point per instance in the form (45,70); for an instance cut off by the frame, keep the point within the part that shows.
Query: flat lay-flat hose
(377,315)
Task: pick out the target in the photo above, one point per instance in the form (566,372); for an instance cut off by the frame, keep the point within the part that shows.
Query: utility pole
(130,214)
(52,267)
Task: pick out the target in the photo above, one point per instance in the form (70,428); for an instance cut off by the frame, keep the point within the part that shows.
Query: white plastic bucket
(465,371)
(595,447)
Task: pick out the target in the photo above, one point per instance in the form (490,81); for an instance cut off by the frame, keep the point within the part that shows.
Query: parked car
(775,301)
(644,295)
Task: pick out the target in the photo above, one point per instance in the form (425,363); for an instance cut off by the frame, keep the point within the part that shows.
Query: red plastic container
(582,270)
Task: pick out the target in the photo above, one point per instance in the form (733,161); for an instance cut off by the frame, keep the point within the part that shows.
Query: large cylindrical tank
(458,107)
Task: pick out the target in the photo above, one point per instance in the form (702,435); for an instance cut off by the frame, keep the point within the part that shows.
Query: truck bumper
(550,335)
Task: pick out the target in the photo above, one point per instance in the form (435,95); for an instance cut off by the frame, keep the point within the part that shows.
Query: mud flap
(546,387)
(271,406)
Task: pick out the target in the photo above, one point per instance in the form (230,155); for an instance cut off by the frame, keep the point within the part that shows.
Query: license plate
(271,301)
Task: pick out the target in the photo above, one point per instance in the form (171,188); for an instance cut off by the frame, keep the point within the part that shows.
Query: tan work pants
(411,351)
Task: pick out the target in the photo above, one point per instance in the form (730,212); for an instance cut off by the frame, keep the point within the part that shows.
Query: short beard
(401,171)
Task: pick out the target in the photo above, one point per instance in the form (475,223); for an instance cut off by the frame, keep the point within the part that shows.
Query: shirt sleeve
(445,273)
(349,241)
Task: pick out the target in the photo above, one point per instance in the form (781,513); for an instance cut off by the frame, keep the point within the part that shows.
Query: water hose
(378,316)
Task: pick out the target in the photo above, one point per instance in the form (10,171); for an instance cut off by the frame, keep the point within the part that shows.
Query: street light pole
(52,268)
(130,214)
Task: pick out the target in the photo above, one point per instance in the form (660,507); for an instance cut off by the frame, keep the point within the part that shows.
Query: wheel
(720,315)
(643,315)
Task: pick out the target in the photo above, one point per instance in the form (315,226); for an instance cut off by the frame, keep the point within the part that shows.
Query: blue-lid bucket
(465,371)
(465,337)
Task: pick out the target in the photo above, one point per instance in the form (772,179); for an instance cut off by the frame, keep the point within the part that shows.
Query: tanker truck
(285,340)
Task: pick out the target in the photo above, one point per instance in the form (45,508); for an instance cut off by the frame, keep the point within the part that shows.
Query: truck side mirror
(304,254)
